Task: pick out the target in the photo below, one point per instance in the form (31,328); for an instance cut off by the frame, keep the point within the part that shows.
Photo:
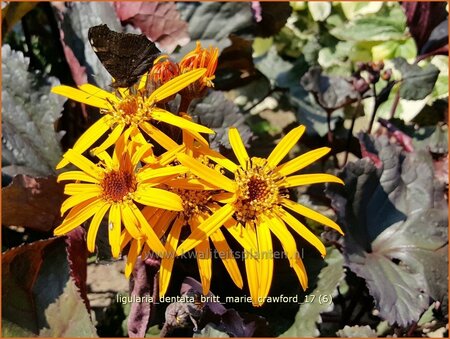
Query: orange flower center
(117,185)
(193,201)
(131,110)
(258,190)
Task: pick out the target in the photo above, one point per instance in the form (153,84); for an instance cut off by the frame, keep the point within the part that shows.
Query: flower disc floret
(118,186)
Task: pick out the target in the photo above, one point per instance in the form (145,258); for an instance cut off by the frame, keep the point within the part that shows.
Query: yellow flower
(258,201)
(200,58)
(116,185)
(198,202)
(128,110)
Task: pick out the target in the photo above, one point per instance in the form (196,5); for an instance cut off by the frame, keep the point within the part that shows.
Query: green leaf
(319,10)
(353,9)
(29,113)
(395,219)
(417,82)
(440,90)
(68,317)
(11,330)
(374,28)
(357,332)
(273,66)
(309,313)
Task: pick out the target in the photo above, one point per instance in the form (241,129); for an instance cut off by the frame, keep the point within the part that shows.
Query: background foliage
(369,79)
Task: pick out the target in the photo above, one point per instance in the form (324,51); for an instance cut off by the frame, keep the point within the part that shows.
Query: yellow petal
(169,156)
(204,265)
(311,214)
(110,140)
(285,145)
(93,227)
(71,189)
(265,255)
(80,96)
(98,92)
(176,84)
(204,230)
(84,214)
(238,147)
(133,253)
(143,81)
(78,176)
(251,269)
(206,173)
(151,239)
(241,234)
(302,161)
(150,173)
(157,197)
(300,270)
(106,159)
(224,197)
(308,179)
(167,261)
(219,159)
(114,230)
(191,184)
(77,208)
(303,231)
(160,137)
(77,199)
(125,238)
(89,137)
(83,163)
(224,250)
(139,154)
(280,230)
(195,136)
(161,225)
(172,119)
(130,221)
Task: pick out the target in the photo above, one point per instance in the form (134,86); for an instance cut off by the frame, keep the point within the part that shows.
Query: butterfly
(125,56)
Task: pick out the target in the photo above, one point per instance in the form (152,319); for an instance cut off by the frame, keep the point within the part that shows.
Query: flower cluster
(152,185)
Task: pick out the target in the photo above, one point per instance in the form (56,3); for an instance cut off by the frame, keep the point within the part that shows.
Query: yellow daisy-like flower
(258,200)
(116,184)
(198,202)
(130,109)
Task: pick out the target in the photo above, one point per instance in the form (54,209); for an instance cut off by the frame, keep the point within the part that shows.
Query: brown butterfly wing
(125,56)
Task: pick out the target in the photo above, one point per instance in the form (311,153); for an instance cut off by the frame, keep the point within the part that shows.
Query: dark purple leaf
(395,221)
(74,21)
(438,38)
(33,276)
(226,320)
(33,203)
(142,283)
(219,113)
(422,18)
(403,139)
(77,255)
(330,92)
